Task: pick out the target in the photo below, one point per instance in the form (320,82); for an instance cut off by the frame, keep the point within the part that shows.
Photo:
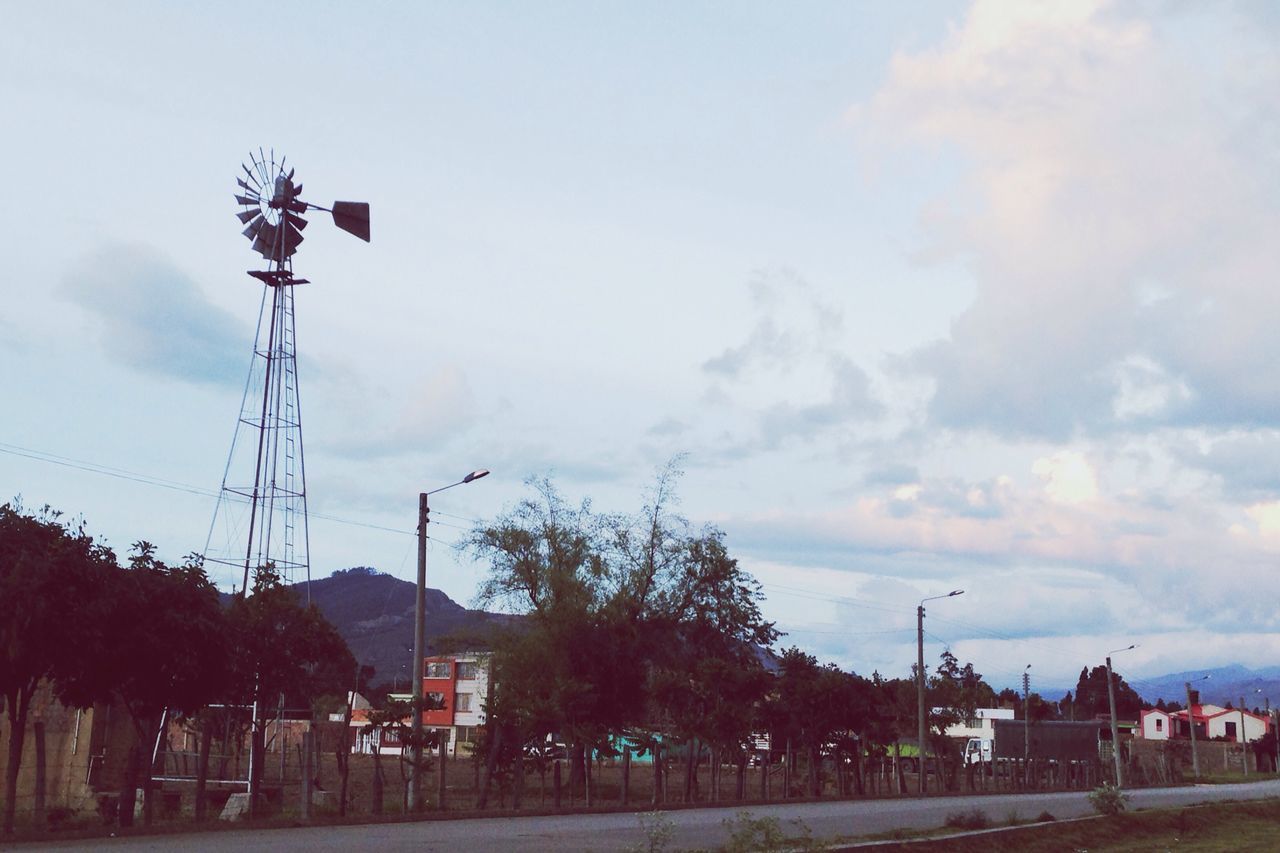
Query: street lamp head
(955,592)
(476,475)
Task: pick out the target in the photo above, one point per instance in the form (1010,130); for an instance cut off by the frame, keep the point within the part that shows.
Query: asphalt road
(693,828)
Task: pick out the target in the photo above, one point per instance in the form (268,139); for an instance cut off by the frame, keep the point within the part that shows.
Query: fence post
(308,757)
(38,731)
(440,775)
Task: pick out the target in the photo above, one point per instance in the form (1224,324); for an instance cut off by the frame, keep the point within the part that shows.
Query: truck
(1054,739)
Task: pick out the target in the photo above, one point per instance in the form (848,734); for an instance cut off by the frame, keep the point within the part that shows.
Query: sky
(926,296)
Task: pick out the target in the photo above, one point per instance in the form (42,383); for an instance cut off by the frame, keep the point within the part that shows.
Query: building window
(1159,725)
(1231,730)
(462,702)
(468,670)
(438,669)
(435,701)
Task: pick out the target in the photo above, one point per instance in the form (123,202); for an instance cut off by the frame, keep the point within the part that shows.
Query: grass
(1197,829)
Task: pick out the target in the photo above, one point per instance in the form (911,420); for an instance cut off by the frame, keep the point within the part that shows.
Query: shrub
(657,830)
(1107,799)
(747,833)
(1045,817)
(973,819)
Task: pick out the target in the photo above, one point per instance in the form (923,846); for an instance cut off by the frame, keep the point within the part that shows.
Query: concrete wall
(84,753)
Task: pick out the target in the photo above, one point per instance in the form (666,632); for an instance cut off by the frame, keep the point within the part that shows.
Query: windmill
(261,516)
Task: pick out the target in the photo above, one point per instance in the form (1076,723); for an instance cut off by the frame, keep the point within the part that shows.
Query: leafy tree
(282,650)
(600,590)
(1091,695)
(167,651)
(52,582)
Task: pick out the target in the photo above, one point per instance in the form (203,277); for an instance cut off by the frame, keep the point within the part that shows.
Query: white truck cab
(977,751)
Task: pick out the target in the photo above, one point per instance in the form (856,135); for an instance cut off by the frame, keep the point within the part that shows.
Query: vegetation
(1198,829)
(974,818)
(645,628)
(147,637)
(1108,800)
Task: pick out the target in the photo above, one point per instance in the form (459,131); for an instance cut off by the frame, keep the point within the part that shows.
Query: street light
(1271,725)
(419,635)
(1026,719)
(920,676)
(1191,724)
(1115,729)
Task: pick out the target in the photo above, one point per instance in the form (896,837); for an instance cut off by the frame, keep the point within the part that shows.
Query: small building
(981,724)
(1210,721)
(458,686)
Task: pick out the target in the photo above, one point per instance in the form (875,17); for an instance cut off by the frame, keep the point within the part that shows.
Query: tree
(282,651)
(167,652)
(619,609)
(52,580)
(1092,700)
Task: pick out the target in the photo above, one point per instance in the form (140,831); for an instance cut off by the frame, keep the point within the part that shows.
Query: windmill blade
(248,189)
(247,201)
(254,227)
(352,217)
(246,215)
(250,174)
(292,237)
(295,220)
(265,245)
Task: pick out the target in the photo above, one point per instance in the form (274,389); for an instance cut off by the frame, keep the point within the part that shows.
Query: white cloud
(1099,157)
(1068,477)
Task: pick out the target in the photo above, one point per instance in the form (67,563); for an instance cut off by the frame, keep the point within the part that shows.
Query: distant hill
(374,613)
(1225,684)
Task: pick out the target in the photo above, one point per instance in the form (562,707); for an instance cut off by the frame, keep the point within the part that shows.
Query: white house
(1210,721)
(980,725)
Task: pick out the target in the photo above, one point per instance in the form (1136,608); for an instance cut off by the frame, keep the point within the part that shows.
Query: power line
(173,485)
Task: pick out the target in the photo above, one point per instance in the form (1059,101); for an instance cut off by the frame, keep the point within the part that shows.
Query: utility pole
(1191,724)
(1115,729)
(413,791)
(920,678)
(419,642)
(920,765)
(1244,743)
(1026,720)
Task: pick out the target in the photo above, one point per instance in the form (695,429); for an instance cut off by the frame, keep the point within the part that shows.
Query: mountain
(374,613)
(1225,684)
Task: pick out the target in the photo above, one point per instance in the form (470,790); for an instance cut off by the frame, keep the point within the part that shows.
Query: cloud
(153,318)
(1102,164)
(1068,477)
(789,380)
(417,416)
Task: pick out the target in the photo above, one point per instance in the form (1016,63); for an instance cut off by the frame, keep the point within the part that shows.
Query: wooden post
(555,782)
(38,732)
(308,771)
(202,771)
(626,775)
(440,774)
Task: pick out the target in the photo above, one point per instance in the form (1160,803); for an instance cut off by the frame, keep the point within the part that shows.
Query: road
(692,828)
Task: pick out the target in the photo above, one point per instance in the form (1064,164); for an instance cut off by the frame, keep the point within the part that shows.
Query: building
(981,724)
(457,687)
(1211,721)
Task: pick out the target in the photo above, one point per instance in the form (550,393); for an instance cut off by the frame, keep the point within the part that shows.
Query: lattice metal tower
(261,515)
